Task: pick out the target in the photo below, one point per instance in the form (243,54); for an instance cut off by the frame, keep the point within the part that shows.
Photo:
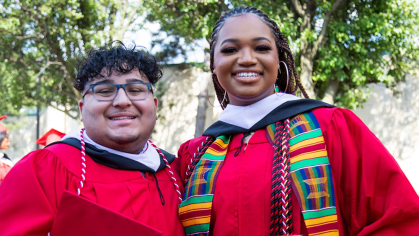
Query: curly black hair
(115,58)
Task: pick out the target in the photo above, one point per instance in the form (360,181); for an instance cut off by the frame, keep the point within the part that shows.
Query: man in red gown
(109,178)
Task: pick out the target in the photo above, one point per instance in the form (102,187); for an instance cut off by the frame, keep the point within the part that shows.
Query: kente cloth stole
(195,209)
(311,175)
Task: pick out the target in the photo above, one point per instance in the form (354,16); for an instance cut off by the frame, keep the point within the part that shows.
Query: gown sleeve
(185,154)
(374,195)
(27,196)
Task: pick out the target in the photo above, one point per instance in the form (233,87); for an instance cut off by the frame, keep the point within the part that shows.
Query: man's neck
(130,147)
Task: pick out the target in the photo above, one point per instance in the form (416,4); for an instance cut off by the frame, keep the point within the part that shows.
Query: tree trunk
(306,59)
(201,114)
(306,11)
(202,104)
(331,91)
(306,74)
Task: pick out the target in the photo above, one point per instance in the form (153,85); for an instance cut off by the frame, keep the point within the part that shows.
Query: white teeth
(247,74)
(122,118)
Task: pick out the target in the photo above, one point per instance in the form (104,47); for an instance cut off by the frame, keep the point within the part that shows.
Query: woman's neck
(245,101)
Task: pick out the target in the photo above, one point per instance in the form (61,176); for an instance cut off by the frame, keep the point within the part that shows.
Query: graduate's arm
(374,195)
(184,158)
(185,154)
(27,196)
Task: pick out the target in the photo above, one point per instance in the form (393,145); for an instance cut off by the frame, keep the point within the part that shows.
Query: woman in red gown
(278,164)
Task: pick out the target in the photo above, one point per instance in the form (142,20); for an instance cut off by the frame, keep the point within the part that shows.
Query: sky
(143,38)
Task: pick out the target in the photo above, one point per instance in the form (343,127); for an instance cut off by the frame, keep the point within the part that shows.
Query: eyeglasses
(107,91)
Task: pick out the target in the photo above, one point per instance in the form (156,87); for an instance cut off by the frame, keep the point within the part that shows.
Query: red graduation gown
(30,194)
(374,197)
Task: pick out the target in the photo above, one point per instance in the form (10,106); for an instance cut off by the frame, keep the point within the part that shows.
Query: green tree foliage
(40,42)
(339,45)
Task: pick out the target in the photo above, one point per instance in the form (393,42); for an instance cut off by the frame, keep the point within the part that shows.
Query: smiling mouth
(122,118)
(247,74)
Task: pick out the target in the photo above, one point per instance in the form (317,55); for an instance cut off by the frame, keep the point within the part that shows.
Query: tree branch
(322,36)
(56,107)
(298,8)
(28,36)
(71,95)
(130,20)
(46,66)
(224,7)
(123,12)
(20,60)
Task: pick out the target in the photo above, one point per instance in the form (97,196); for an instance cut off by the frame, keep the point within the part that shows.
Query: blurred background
(358,54)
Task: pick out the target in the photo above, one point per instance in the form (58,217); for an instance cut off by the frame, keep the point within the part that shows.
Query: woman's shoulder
(190,147)
(327,116)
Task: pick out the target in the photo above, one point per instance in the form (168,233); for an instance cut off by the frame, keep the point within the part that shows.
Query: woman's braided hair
(284,54)
(281,209)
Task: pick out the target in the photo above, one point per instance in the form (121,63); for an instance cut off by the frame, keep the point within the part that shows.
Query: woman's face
(246,59)
(6,142)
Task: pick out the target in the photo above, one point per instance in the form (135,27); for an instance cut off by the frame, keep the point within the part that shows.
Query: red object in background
(2,128)
(52,135)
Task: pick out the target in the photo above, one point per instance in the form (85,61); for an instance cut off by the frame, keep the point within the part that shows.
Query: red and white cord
(192,164)
(172,175)
(83,162)
(285,185)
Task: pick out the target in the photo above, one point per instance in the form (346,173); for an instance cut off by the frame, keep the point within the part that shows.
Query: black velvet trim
(113,160)
(285,110)
(5,156)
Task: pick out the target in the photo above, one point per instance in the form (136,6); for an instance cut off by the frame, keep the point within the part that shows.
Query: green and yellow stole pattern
(195,209)
(312,180)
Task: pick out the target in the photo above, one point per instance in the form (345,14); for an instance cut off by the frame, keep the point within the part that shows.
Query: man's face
(6,142)
(121,124)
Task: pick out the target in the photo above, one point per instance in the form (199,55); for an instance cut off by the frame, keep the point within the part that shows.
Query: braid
(197,156)
(281,208)
(284,53)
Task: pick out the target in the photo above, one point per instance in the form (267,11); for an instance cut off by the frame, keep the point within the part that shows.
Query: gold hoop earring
(225,93)
(288,78)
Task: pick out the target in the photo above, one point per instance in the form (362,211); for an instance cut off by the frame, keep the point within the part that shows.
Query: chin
(124,138)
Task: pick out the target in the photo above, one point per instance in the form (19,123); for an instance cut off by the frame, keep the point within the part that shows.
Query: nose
(247,58)
(121,99)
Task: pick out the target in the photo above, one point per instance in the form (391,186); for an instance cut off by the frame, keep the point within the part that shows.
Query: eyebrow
(229,40)
(236,40)
(135,80)
(260,38)
(104,81)
(112,81)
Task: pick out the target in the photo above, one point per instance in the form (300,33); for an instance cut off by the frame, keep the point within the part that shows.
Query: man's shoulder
(67,155)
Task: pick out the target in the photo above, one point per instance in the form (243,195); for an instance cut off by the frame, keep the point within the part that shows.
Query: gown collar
(119,160)
(246,116)
(5,159)
(266,111)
